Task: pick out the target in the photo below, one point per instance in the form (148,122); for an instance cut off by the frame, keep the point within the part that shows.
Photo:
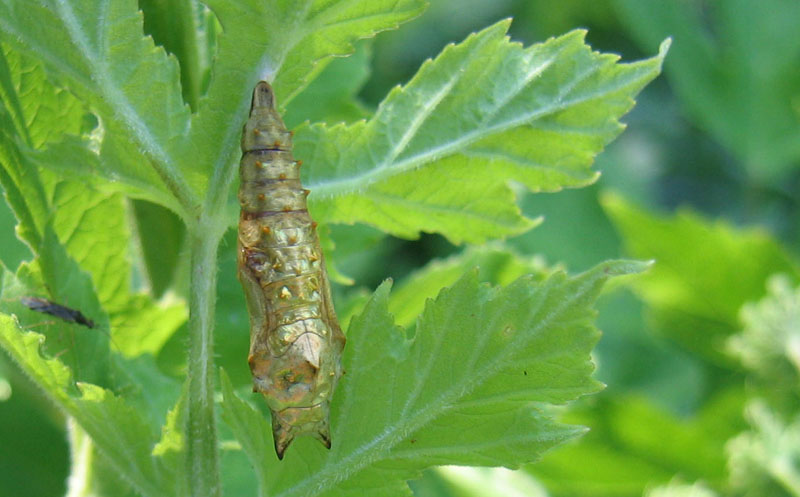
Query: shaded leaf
(704,272)
(116,429)
(634,444)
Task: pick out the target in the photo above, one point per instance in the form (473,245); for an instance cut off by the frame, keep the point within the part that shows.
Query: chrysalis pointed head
(263,98)
(264,130)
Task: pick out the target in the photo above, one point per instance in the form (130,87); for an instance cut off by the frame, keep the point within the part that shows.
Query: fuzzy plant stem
(203,460)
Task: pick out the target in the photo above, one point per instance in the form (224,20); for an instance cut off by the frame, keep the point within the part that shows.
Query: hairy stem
(202,457)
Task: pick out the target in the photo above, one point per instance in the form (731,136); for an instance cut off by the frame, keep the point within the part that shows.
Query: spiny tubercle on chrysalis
(295,338)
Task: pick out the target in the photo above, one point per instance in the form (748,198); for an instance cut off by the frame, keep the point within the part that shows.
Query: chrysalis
(295,339)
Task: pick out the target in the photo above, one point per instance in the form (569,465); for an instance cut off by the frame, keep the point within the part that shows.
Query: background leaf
(733,71)
(704,272)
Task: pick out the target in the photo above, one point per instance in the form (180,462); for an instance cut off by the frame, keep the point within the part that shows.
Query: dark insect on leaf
(295,338)
(47,307)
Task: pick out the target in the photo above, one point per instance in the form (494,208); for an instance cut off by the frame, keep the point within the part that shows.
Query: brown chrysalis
(295,338)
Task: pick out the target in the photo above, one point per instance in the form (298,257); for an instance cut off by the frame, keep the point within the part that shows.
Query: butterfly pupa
(295,339)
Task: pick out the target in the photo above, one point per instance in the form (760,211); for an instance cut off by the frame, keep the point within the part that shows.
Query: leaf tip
(535,222)
(663,49)
(624,267)
(225,381)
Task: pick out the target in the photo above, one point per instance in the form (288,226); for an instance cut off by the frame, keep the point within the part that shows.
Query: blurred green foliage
(718,138)
(699,400)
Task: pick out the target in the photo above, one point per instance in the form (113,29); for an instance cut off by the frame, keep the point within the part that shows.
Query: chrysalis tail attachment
(295,338)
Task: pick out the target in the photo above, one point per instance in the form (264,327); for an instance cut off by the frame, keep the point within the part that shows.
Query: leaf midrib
(352,184)
(341,470)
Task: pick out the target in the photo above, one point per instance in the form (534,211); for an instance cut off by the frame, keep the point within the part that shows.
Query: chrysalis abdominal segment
(295,339)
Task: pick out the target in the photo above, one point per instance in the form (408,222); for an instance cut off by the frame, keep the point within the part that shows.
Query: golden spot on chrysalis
(314,225)
(277,144)
(299,163)
(291,133)
(313,258)
(259,164)
(292,240)
(285,293)
(298,270)
(256,131)
(306,192)
(287,208)
(261,197)
(266,230)
(282,176)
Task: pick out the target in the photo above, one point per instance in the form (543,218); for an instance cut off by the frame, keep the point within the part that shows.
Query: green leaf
(704,272)
(331,97)
(161,236)
(91,236)
(50,125)
(681,490)
(766,460)
(734,72)
(496,264)
(177,25)
(470,387)
(99,51)
(69,225)
(634,444)
(482,113)
(489,482)
(90,474)
(283,41)
(248,425)
(42,113)
(54,274)
(93,229)
(116,429)
(14,251)
(770,341)
(769,344)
